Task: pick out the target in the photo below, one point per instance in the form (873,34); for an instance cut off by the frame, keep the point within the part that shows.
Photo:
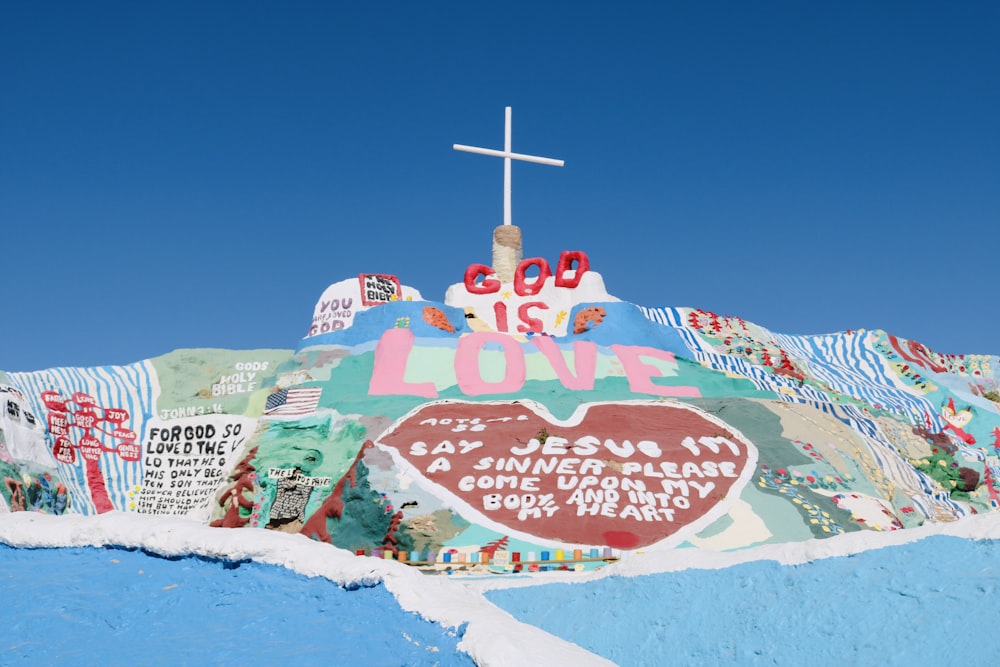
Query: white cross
(507,156)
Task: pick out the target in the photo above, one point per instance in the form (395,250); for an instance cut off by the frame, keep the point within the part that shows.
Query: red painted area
(390,541)
(575,260)
(521,285)
(494,546)
(58,423)
(489,285)
(530,323)
(63,450)
(82,399)
(234,498)
(567,261)
(129,451)
(117,416)
(626,475)
(53,401)
(961,434)
(621,539)
(98,490)
(915,353)
(124,434)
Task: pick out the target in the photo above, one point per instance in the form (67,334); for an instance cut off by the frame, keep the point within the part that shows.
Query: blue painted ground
(931,602)
(85,606)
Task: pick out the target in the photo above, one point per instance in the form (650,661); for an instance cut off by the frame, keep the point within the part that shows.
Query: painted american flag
(293,402)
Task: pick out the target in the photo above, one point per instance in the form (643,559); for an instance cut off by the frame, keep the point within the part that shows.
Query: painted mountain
(530,421)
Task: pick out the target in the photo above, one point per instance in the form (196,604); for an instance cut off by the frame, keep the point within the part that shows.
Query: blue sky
(195,174)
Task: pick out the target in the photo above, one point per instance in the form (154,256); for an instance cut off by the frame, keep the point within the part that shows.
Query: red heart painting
(625,475)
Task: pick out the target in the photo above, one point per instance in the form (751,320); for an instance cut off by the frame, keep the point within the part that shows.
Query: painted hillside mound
(522,424)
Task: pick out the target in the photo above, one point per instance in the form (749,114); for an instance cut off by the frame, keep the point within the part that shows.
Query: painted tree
(496,545)
(355,516)
(333,507)
(102,431)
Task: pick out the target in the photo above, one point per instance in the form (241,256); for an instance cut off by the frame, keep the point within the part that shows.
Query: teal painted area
(760,425)
(782,519)
(716,527)
(763,428)
(716,384)
(316,446)
(347,391)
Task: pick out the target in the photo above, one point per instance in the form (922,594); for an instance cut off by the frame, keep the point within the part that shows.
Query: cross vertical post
(506,166)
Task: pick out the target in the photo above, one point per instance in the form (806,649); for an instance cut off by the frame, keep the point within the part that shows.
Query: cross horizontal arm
(513,156)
